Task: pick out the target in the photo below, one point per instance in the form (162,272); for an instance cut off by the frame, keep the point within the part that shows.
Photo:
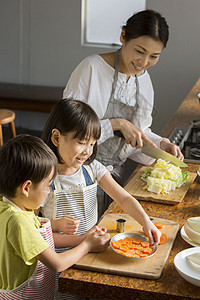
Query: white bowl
(132,235)
(185,269)
(187,239)
(193,235)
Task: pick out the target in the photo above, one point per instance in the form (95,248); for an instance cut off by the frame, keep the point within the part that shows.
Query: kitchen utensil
(158,153)
(121,223)
(132,236)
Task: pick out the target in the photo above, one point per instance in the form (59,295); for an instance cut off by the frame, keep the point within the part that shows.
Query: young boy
(28,261)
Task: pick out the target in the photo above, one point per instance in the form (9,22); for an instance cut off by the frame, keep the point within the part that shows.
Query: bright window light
(102,20)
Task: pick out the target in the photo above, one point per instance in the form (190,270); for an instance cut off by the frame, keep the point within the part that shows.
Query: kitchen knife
(158,153)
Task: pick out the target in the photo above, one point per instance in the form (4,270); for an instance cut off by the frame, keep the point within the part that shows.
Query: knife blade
(158,153)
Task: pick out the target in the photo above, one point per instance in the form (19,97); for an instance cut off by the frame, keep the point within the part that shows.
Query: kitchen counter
(170,285)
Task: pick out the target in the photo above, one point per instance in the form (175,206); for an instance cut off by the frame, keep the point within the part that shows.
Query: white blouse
(91,82)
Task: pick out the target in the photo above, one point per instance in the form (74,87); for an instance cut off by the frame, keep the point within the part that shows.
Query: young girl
(28,261)
(72,131)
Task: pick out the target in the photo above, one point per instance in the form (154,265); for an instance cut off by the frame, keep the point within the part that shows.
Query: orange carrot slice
(136,241)
(145,244)
(163,239)
(159,225)
(147,250)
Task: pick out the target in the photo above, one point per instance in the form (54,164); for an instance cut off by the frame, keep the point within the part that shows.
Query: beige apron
(111,152)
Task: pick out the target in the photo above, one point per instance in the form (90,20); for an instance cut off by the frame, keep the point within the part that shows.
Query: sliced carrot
(136,241)
(128,239)
(163,238)
(138,252)
(144,255)
(137,247)
(130,245)
(145,244)
(123,248)
(119,251)
(147,250)
(135,256)
(129,253)
(159,225)
(116,244)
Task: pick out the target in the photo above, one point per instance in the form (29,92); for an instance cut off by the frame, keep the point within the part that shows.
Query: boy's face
(37,194)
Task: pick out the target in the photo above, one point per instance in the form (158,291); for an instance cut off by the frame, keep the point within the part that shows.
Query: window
(102,20)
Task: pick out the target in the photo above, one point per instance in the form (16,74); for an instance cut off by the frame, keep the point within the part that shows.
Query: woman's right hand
(132,134)
(97,241)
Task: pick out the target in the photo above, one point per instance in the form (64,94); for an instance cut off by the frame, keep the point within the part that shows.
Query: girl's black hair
(70,115)
(147,22)
(22,158)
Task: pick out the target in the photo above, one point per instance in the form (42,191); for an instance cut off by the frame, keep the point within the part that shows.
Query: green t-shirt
(21,242)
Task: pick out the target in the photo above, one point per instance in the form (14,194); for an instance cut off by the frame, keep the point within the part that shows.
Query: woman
(118,87)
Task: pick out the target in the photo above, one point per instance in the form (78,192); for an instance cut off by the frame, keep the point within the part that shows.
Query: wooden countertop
(170,285)
(29,97)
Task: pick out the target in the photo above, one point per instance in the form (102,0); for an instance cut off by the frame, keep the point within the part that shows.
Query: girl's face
(73,151)
(138,54)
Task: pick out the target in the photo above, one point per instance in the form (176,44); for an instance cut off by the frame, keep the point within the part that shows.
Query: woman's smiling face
(138,54)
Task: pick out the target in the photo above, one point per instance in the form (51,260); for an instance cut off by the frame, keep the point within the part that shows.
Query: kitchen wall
(40,45)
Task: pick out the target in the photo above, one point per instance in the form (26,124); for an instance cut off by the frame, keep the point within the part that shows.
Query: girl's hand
(152,232)
(68,225)
(97,241)
(132,134)
(171,148)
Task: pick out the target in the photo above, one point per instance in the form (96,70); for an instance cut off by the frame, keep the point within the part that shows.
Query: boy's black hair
(70,115)
(22,158)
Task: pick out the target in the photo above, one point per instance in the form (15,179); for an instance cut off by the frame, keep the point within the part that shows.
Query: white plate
(187,239)
(185,269)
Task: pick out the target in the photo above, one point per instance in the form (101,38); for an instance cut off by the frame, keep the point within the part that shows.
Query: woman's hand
(68,225)
(132,134)
(171,148)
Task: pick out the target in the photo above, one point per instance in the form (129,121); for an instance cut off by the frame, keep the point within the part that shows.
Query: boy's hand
(97,241)
(68,225)
(94,229)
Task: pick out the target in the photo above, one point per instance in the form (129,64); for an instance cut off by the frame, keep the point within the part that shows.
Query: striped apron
(41,285)
(78,203)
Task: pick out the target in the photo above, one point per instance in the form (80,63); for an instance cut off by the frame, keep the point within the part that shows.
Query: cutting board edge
(121,273)
(170,202)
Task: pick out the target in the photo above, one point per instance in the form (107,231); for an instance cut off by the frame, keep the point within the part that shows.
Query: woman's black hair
(70,115)
(147,22)
(22,158)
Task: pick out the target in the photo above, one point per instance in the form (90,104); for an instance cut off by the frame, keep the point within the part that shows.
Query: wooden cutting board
(136,184)
(113,263)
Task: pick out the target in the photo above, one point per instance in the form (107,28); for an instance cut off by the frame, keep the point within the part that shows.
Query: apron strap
(137,90)
(88,179)
(115,75)
(57,185)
